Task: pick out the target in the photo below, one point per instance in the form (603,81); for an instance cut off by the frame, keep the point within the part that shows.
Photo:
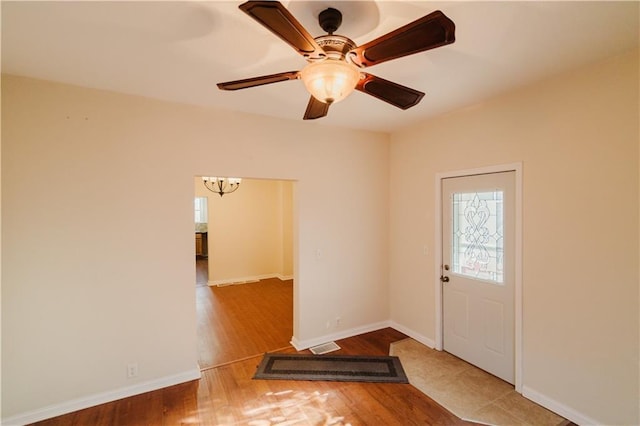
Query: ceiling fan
(335,61)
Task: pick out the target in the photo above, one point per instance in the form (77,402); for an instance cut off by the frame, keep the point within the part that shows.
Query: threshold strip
(244,359)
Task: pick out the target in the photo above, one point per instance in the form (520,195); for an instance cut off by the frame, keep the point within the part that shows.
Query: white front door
(478,276)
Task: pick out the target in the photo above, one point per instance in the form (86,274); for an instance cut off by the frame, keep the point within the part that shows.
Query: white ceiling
(178,51)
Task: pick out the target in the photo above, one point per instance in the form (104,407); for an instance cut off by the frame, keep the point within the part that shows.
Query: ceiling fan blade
(315,109)
(401,96)
(276,18)
(428,32)
(258,81)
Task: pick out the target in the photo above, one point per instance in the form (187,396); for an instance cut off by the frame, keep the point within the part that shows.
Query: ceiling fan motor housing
(335,46)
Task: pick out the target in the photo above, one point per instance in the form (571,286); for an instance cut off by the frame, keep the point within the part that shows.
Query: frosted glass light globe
(331,80)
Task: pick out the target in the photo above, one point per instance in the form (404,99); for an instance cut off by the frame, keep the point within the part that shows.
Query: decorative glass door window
(478,243)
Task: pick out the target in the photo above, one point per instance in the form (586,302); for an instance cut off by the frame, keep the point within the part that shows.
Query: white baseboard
(413,334)
(557,407)
(242,280)
(251,279)
(342,334)
(100,398)
(284,277)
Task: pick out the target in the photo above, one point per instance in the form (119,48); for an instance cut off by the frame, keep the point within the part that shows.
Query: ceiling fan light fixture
(330,80)
(335,61)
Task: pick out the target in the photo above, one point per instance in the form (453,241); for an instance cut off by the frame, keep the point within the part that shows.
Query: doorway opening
(201,218)
(452,297)
(244,275)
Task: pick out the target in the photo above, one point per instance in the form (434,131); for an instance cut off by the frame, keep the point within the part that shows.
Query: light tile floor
(467,391)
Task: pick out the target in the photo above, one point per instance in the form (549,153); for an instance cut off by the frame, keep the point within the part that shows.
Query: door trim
(512,167)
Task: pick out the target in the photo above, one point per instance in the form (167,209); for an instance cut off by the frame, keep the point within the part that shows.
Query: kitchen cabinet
(201,244)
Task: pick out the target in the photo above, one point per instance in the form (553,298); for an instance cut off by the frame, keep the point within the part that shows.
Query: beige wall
(250,232)
(577,137)
(97,197)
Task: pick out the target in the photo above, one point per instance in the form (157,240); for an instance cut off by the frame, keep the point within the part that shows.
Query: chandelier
(221,185)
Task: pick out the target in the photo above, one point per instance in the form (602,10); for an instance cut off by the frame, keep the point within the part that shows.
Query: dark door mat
(343,368)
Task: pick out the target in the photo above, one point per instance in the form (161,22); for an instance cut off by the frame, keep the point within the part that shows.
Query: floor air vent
(324,348)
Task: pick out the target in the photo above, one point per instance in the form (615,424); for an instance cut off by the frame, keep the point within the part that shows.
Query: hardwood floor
(236,324)
(238,321)
(202,271)
(227,395)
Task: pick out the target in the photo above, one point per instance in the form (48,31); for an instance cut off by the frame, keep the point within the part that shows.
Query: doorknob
(444,278)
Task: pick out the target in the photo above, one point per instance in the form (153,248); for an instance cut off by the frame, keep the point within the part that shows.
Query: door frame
(511,167)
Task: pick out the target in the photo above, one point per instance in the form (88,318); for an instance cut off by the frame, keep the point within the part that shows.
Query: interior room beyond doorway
(246,270)
(248,233)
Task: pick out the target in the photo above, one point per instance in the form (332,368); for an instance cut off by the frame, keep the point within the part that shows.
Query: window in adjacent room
(200,207)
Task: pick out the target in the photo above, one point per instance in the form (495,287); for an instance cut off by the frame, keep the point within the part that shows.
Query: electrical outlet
(328,325)
(338,320)
(132,370)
